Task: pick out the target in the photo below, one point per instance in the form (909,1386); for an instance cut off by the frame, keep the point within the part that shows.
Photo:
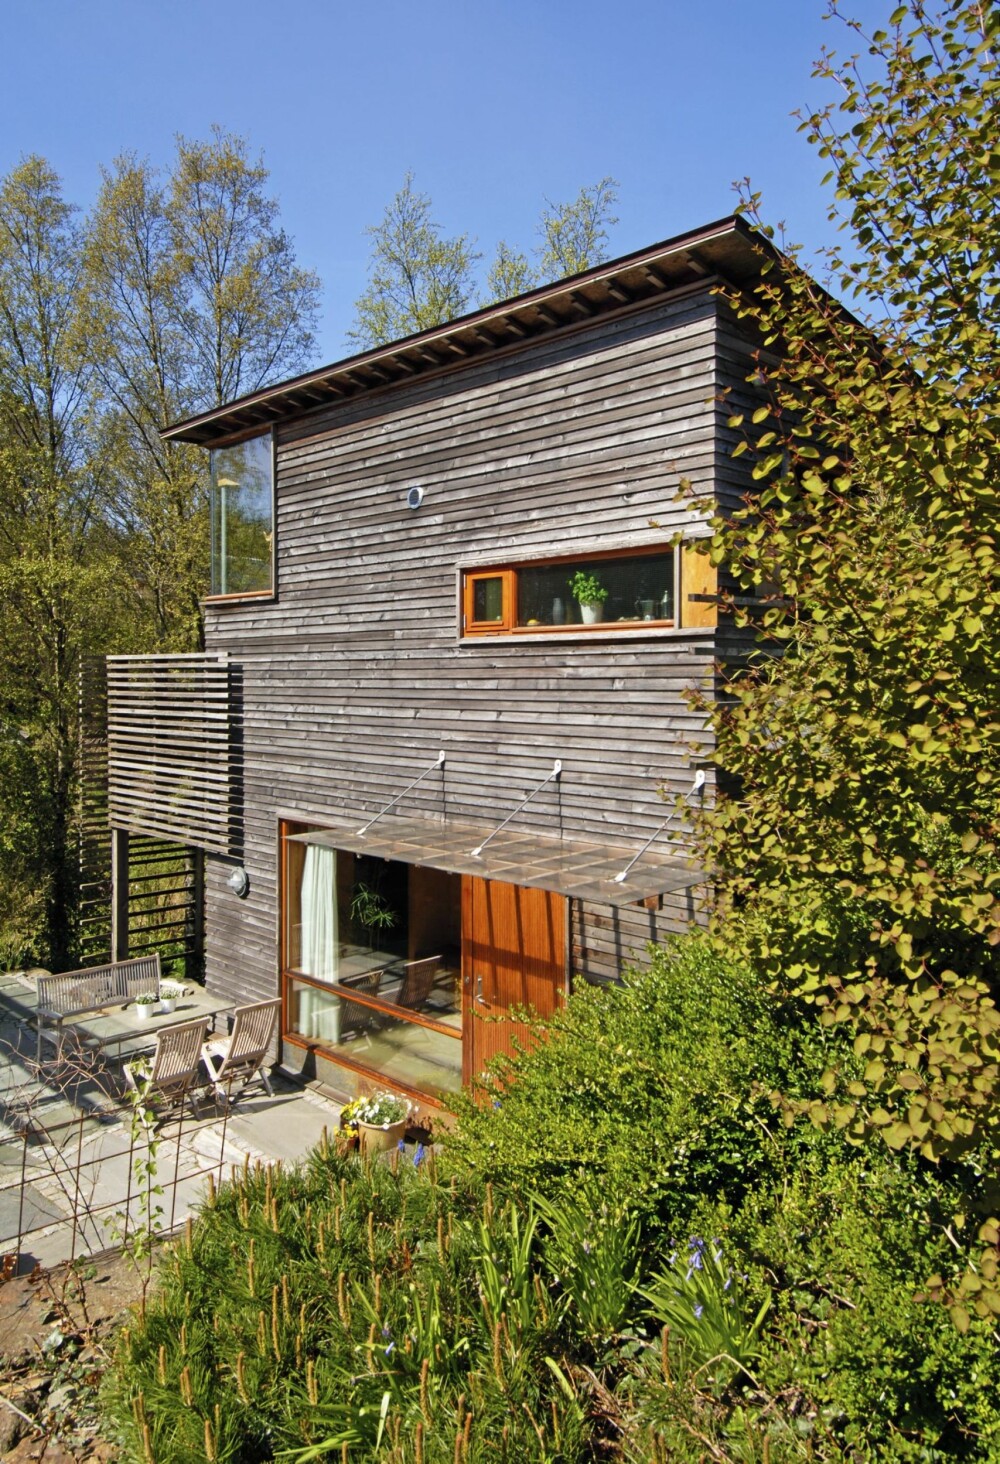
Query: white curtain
(319,1011)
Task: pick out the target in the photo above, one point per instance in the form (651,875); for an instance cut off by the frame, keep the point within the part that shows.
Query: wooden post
(119,894)
(195,970)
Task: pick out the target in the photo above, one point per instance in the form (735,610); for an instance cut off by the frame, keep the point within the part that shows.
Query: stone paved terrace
(68,1154)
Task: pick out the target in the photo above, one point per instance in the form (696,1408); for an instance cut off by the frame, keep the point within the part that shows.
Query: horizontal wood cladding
(605,939)
(354,678)
(171,762)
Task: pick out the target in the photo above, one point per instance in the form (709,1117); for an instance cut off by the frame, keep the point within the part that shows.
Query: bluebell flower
(419,1155)
(401,1146)
(390,1349)
(698,1310)
(386,1330)
(496,1103)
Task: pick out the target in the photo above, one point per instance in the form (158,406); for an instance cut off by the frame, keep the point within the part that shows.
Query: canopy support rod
(439,763)
(697,786)
(556,770)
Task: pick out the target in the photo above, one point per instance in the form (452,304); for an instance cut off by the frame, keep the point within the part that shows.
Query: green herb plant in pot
(590,595)
(381,1120)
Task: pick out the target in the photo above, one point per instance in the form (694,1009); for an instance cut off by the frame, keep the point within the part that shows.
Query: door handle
(479,990)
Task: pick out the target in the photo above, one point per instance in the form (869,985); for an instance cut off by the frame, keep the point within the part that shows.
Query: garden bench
(75,993)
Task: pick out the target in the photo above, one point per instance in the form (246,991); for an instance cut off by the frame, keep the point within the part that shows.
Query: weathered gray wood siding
(355,676)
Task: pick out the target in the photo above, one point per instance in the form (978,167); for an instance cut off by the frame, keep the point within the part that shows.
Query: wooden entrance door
(513,954)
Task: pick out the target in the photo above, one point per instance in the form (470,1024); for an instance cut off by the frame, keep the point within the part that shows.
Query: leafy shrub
(850,1241)
(341,1304)
(660,1086)
(420,1319)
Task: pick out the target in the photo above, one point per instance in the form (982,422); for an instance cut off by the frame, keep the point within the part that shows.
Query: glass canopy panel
(578,869)
(242,515)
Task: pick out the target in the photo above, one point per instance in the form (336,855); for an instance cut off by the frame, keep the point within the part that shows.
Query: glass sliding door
(371,964)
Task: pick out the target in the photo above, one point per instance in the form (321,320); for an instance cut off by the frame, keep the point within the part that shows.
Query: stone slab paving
(68,1154)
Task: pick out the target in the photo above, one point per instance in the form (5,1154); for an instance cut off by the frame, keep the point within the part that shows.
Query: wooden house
(428,783)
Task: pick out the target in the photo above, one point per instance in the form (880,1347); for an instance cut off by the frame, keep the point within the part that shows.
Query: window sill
(239,597)
(588,633)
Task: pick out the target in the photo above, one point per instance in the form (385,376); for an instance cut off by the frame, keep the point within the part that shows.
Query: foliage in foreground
(864,833)
(407,1314)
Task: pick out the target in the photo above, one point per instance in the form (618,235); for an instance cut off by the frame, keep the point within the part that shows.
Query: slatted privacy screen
(171,765)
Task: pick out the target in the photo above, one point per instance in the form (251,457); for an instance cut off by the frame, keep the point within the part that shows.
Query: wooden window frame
(287,974)
(509,573)
(470,578)
(232,597)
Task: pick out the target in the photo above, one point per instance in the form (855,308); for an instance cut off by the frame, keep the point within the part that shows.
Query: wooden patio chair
(176,1063)
(418,982)
(360,1020)
(240,1057)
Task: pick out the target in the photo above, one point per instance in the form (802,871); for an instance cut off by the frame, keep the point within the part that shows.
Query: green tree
(176,295)
(859,862)
(510,274)
(574,237)
(55,553)
(417,277)
(575,234)
(248,309)
(194,298)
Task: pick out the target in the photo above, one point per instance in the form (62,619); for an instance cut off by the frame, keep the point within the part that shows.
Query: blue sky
(494,106)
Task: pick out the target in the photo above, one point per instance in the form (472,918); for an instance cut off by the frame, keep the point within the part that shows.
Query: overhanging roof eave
(729,246)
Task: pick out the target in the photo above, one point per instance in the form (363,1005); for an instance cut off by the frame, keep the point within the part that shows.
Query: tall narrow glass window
(242,502)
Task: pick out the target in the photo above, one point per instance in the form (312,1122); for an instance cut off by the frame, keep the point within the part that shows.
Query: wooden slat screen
(171,772)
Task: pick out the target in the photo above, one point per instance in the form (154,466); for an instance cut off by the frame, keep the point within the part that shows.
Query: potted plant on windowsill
(146,1004)
(381,1120)
(590,595)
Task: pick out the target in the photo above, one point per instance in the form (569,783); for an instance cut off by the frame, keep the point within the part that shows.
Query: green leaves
(863,852)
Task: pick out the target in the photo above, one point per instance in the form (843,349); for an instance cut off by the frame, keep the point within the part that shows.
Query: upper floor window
(242,509)
(609,590)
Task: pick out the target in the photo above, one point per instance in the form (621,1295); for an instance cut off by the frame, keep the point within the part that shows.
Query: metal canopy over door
(513,954)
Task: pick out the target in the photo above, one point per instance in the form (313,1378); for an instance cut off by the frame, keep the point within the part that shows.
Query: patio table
(117,1034)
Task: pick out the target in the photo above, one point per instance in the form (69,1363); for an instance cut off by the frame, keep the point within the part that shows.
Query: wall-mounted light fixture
(239,882)
(414,496)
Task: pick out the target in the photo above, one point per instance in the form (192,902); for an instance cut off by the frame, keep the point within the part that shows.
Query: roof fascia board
(195,428)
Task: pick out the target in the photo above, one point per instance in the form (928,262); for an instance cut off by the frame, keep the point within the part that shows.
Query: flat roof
(730,248)
(576,868)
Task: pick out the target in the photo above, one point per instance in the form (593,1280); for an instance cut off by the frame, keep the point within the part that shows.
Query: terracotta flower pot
(377,1139)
